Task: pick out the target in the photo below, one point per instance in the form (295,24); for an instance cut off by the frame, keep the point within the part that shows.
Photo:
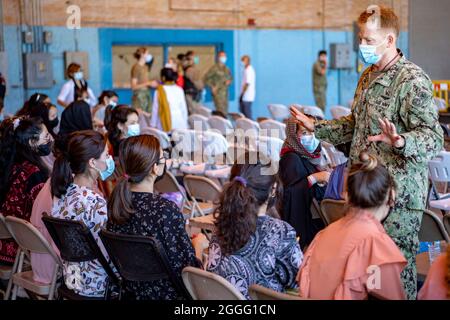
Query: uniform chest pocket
(383,105)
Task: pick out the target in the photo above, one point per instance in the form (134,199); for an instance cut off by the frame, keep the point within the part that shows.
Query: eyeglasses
(165,157)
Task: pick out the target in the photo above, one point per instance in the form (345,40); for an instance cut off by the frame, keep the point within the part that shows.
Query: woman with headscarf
(304,170)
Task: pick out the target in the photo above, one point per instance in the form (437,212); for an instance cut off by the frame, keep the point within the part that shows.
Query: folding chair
(270,147)
(220,124)
(248,125)
(314,112)
(439,171)
(204,285)
(168,184)
(201,188)
(258,292)
(432,228)
(139,258)
(447,223)
(30,240)
(77,244)
(332,210)
(279,111)
(273,128)
(198,122)
(202,110)
(7,271)
(162,137)
(339,111)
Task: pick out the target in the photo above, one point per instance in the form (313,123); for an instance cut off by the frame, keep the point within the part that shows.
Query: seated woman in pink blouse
(437,284)
(354,257)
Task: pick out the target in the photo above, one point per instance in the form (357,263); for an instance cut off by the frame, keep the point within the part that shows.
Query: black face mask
(45,149)
(158,178)
(52,124)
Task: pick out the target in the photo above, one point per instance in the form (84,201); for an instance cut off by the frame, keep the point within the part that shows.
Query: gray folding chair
(432,228)
(169,183)
(447,223)
(7,271)
(204,285)
(201,189)
(220,124)
(332,210)
(30,240)
(258,292)
(198,122)
(279,111)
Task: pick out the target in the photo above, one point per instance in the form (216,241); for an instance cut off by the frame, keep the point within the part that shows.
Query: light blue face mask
(148,58)
(368,53)
(223,59)
(309,142)
(196,60)
(78,75)
(113,104)
(134,130)
(2,117)
(110,167)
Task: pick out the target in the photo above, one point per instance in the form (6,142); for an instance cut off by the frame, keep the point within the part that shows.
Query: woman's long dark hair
(108,110)
(137,157)
(42,110)
(35,99)
(15,148)
(239,203)
(82,146)
(118,115)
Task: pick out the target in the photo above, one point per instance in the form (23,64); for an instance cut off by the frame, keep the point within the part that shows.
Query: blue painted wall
(282,58)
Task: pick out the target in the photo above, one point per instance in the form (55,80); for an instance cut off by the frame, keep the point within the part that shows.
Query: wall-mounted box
(340,56)
(38,69)
(80,57)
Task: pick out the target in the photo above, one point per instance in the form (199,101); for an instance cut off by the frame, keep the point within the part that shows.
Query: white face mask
(148,58)
(78,75)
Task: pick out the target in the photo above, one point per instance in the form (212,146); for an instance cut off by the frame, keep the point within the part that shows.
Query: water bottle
(434,250)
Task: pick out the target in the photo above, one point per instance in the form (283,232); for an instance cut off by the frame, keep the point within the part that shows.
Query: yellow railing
(440,90)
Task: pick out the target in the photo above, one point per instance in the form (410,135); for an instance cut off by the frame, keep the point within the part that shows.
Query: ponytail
(120,207)
(236,215)
(62,176)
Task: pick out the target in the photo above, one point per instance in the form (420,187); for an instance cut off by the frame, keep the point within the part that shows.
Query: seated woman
(437,284)
(248,246)
(124,123)
(22,172)
(34,100)
(135,209)
(76,116)
(169,104)
(74,189)
(354,257)
(102,112)
(304,170)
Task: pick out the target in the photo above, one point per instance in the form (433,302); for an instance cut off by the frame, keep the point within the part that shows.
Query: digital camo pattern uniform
(216,77)
(320,85)
(142,100)
(403,94)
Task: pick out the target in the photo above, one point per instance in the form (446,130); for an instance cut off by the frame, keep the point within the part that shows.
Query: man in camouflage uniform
(393,117)
(320,80)
(219,78)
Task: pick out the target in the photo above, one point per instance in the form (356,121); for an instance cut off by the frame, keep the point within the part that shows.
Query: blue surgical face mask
(78,75)
(113,104)
(223,59)
(309,142)
(196,60)
(134,130)
(148,58)
(2,117)
(368,53)
(110,167)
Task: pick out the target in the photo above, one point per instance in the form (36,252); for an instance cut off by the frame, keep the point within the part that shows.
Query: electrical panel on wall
(340,56)
(80,57)
(38,70)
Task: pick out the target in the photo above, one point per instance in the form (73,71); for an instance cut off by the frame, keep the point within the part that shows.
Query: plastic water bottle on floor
(434,250)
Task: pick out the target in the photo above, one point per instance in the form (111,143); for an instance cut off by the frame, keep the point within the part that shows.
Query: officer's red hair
(388,18)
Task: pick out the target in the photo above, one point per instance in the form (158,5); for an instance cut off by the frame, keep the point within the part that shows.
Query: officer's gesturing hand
(388,134)
(301,119)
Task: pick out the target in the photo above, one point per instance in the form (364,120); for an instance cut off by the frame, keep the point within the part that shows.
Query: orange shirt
(343,261)
(435,286)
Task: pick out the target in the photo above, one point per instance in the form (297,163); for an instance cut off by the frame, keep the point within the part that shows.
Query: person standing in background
(219,78)
(70,89)
(140,83)
(320,80)
(193,81)
(248,91)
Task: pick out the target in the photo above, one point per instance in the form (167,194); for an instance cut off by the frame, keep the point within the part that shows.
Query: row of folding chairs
(76,244)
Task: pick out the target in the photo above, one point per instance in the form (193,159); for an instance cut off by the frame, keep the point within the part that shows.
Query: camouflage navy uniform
(217,77)
(320,85)
(403,94)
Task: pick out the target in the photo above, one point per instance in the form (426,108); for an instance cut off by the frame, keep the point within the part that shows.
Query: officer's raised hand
(301,119)
(388,134)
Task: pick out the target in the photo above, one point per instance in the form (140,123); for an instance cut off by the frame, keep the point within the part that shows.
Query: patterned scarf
(164,109)
(292,144)
(448,271)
